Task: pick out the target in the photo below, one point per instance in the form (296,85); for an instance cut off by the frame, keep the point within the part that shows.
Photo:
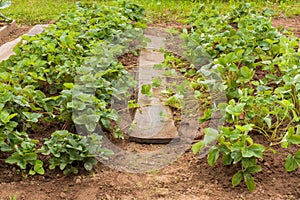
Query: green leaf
(249,180)
(253,169)
(268,120)
(15,158)
(77,105)
(210,136)
(297,79)
(6,117)
(197,147)
(235,110)
(132,104)
(106,122)
(88,164)
(285,140)
(297,157)
(175,101)
(30,156)
(245,128)
(5,147)
(63,165)
(22,101)
(70,169)
(69,85)
(32,117)
(38,167)
(156,82)
(237,178)
(213,156)
(290,163)
(254,150)
(294,139)
(246,72)
(227,159)
(206,116)
(236,156)
(247,162)
(146,89)
(90,121)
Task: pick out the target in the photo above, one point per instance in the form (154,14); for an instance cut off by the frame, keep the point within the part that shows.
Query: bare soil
(20,30)
(189,177)
(291,24)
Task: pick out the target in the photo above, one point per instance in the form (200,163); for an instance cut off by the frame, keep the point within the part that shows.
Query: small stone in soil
(63,195)
(78,181)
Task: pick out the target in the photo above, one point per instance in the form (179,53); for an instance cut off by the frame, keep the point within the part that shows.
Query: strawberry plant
(68,75)
(69,150)
(258,67)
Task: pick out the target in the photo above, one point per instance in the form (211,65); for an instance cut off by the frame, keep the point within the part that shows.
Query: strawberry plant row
(68,75)
(259,70)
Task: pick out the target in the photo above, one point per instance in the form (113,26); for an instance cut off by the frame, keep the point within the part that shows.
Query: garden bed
(187,178)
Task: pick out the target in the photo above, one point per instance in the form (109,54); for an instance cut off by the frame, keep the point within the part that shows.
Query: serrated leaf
(297,79)
(6,117)
(88,165)
(90,121)
(146,89)
(294,139)
(13,159)
(227,159)
(210,136)
(237,178)
(38,167)
(156,82)
(246,72)
(236,156)
(254,150)
(62,166)
(197,147)
(5,147)
(212,156)
(247,162)
(32,117)
(290,163)
(268,121)
(70,170)
(30,156)
(69,85)
(77,105)
(253,169)
(249,180)
(245,128)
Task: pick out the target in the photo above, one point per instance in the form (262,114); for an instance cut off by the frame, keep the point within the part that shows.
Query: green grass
(37,11)
(167,10)
(179,10)
(42,11)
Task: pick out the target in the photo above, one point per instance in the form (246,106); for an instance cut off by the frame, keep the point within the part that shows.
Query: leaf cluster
(257,67)
(68,74)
